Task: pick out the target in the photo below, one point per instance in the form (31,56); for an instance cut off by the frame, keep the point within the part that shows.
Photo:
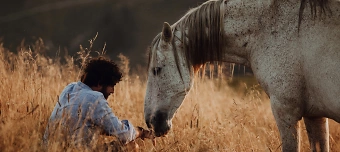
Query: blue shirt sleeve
(111,125)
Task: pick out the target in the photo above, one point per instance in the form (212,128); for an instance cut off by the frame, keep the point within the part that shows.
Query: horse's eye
(156,70)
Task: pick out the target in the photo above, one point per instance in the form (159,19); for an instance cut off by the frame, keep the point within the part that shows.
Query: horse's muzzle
(160,124)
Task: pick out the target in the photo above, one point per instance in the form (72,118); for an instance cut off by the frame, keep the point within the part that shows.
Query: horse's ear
(167,32)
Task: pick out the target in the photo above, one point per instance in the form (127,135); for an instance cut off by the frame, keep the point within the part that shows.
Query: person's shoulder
(69,87)
(87,93)
(72,84)
(94,95)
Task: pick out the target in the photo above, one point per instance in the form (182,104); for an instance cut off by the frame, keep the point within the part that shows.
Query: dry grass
(213,117)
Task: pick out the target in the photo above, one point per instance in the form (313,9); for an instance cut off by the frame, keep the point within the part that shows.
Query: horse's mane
(203,33)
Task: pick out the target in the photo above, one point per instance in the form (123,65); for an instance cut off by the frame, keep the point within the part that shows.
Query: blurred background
(125,26)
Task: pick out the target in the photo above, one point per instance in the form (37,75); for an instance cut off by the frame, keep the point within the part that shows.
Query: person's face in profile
(107,91)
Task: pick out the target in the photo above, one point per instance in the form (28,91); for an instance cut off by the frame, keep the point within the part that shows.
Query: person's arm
(111,125)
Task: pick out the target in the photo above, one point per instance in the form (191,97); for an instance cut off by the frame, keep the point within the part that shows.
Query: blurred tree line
(125,26)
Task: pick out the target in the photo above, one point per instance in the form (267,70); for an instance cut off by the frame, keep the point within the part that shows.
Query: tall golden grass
(213,117)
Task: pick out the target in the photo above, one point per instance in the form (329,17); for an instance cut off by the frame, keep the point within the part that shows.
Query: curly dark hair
(101,71)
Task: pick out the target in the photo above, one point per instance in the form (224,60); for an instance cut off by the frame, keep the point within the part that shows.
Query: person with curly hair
(82,111)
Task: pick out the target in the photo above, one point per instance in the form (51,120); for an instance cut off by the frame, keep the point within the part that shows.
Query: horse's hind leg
(318,133)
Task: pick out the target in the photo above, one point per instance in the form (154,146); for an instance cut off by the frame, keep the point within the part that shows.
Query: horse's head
(168,81)
(197,38)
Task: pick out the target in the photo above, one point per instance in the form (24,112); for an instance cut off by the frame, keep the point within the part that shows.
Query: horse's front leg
(318,133)
(287,115)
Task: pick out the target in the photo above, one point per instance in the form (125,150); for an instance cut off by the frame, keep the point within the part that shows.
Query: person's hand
(143,133)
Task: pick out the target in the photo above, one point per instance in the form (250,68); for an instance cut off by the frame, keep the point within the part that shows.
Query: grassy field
(217,115)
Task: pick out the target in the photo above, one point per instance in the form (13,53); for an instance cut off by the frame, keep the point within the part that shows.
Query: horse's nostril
(160,123)
(159,118)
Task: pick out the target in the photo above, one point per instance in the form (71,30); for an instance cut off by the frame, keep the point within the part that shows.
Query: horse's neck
(273,15)
(260,18)
(276,15)
(286,8)
(285,15)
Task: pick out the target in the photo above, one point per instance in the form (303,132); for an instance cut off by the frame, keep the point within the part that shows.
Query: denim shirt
(82,112)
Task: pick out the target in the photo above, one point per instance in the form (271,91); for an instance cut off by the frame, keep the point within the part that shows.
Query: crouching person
(82,112)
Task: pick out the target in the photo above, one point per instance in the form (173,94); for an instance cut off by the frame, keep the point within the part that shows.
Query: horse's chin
(161,134)
(161,130)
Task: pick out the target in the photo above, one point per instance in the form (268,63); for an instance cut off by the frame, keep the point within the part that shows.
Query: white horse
(293,48)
